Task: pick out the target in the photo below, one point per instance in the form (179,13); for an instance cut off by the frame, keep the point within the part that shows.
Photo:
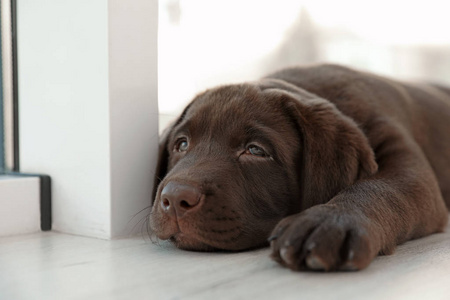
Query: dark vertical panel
(15,85)
(46,202)
(2,143)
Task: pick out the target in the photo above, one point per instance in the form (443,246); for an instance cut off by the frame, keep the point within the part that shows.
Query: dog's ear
(335,151)
(163,160)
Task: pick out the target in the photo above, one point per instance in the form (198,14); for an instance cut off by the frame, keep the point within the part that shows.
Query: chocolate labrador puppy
(330,165)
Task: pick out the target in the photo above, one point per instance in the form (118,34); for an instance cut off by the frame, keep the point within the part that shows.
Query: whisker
(145,208)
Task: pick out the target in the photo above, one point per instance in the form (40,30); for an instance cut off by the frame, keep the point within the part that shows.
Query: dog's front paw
(325,238)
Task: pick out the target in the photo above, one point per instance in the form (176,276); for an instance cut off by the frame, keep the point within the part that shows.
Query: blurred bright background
(204,43)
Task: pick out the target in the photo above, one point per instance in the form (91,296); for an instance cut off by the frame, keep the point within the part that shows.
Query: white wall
(133,108)
(88,108)
(234,47)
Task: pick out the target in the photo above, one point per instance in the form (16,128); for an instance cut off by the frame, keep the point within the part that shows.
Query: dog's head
(242,157)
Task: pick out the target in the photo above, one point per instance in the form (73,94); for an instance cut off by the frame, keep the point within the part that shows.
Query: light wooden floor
(58,266)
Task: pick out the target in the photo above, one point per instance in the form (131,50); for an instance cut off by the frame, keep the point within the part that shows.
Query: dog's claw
(272,238)
(315,263)
(287,255)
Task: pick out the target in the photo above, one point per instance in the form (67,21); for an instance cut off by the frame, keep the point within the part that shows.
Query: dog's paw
(324,238)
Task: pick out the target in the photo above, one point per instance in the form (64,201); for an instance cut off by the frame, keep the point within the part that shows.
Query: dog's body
(338,165)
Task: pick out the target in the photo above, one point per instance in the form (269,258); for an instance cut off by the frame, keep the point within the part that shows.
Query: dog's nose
(180,198)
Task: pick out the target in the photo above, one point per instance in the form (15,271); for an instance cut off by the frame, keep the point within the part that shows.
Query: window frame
(9,169)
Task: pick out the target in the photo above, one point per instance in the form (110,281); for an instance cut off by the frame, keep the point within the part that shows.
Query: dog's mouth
(209,229)
(189,235)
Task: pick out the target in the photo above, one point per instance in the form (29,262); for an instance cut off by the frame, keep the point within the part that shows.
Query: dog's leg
(402,201)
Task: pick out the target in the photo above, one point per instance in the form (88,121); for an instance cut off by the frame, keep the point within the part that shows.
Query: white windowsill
(59,266)
(19,205)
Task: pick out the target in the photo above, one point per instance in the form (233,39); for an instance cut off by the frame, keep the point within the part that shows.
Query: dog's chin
(186,242)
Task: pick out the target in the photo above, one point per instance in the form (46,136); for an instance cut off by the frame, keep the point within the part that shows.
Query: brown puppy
(332,165)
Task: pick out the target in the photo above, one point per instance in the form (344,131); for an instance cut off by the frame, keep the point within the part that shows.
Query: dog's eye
(182,145)
(255,150)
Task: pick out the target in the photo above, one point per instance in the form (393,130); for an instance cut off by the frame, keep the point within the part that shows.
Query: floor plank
(58,266)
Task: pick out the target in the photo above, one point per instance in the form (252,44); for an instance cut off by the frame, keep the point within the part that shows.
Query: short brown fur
(353,164)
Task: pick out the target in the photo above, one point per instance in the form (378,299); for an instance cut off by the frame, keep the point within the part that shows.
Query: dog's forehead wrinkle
(227,99)
(232,109)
